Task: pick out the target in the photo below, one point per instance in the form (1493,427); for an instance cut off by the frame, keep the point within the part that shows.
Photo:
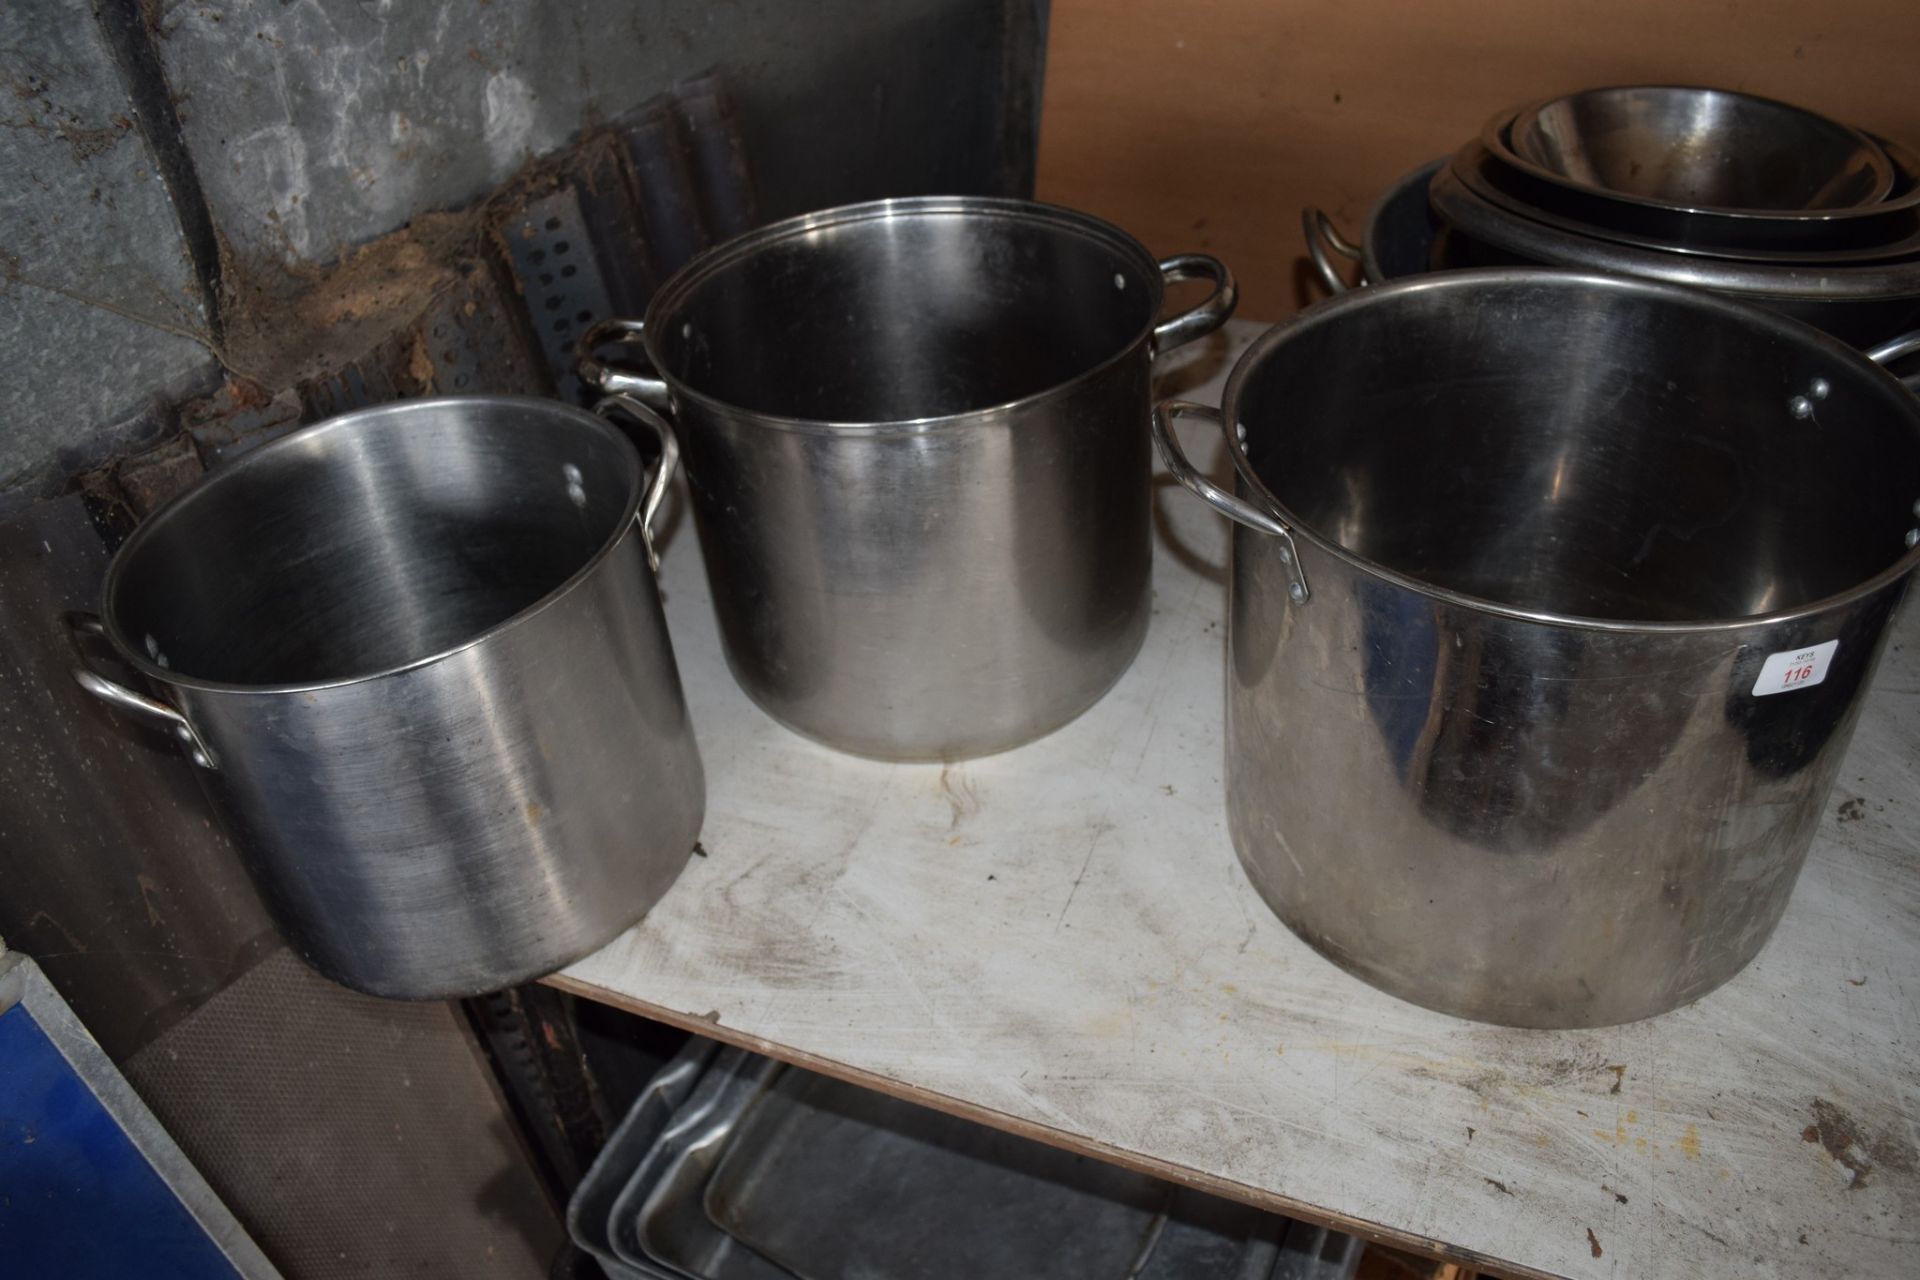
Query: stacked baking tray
(733,1167)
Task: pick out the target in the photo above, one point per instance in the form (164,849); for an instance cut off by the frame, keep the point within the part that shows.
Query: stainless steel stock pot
(916,438)
(1554,599)
(419,654)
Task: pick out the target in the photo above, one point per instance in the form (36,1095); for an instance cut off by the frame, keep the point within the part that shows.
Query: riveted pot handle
(1892,349)
(635,409)
(117,695)
(1323,236)
(1237,509)
(642,383)
(1214,311)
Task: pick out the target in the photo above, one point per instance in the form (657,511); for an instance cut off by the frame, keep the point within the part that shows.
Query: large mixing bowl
(1886,241)
(1701,149)
(1869,227)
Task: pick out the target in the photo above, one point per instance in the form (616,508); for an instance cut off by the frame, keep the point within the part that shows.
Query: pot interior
(911,315)
(372,541)
(1585,446)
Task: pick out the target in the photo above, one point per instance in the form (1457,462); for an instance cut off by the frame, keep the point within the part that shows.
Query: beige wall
(1209,123)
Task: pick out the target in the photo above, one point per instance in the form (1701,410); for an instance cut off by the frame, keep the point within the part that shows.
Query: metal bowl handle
(1237,509)
(1322,236)
(643,383)
(637,410)
(117,695)
(1215,310)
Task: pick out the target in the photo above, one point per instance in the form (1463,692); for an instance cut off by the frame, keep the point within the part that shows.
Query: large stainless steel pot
(1554,598)
(916,436)
(419,653)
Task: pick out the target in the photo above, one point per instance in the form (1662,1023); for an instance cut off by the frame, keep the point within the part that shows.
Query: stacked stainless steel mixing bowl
(1751,198)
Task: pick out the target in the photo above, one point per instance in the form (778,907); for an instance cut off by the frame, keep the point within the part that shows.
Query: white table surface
(1059,940)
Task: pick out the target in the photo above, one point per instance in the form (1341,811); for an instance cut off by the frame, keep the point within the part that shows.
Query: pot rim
(1329,309)
(226,475)
(681,286)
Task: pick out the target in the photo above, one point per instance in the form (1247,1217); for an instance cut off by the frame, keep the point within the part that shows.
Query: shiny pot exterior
(1528,719)
(916,438)
(1520,823)
(515,780)
(998,590)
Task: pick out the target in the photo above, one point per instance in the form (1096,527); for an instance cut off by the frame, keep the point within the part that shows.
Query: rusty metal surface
(717,154)
(148,479)
(561,278)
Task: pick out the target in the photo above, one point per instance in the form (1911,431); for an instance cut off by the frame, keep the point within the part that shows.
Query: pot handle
(1237,509)
(636,409)
(1892,349)
(1322,236)
(117,695)
(643,383)
(1202,320)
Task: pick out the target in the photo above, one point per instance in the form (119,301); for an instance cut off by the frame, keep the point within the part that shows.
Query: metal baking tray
(832,1181)
(722,1135)
(592,1203)
(657,1221)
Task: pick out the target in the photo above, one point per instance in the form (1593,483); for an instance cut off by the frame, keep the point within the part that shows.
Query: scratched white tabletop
(1059,940)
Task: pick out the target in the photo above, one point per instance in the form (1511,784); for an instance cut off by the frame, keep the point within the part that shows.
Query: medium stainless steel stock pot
(419,653)
(1554,598)
(916,438)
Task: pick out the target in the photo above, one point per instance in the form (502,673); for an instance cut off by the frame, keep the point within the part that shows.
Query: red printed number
(1795,675)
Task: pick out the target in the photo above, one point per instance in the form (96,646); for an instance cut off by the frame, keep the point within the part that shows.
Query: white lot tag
(1795,669)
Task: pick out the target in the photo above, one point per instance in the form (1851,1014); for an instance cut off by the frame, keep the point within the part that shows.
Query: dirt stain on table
(1853,1148)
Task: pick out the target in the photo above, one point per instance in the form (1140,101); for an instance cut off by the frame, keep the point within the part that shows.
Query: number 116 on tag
(1795,669)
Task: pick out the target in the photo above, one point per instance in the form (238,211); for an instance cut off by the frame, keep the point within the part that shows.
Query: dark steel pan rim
(236,471)
(1326,311)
